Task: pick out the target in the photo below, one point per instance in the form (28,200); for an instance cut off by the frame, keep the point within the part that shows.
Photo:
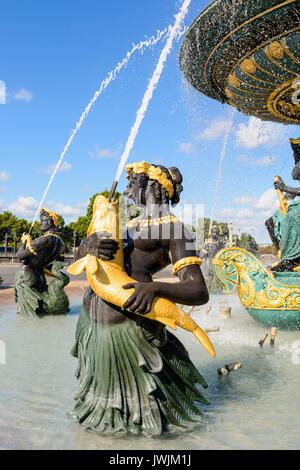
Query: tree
(248,243)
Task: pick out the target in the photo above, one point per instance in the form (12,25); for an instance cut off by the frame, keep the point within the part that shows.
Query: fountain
(244,404)
(211,247)
(246,54)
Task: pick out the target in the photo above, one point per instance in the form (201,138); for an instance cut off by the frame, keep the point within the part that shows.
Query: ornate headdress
(295,143)
(51,214)
(154,173)
(216,226)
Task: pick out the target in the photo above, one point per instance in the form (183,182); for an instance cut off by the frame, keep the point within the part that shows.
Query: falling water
(141,46)
(152,84)
(219,175)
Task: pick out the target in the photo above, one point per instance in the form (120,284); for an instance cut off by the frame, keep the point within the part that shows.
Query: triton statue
(271,297)
(42,256)
(284,225)
(209,250)
(134,376)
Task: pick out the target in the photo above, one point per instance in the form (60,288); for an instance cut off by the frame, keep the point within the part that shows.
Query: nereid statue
(134,375)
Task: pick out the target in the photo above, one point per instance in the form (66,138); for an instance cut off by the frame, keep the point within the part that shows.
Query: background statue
(284,225)
(134,375)
(43,255)
(211,247)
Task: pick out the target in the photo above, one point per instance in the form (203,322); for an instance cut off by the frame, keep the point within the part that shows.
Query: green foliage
(248,243)
(267,250)
(11,224)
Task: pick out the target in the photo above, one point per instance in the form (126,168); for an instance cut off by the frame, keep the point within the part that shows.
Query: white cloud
(268,201)
(264,161)
(227,213)
(23,95)
(257,133)
(185,147)
(245,214)
(24,206)
(252,217)
(99,153)
(4,176)
(68,211)
(215,130)
(242,200)
(2,92)
(65,166)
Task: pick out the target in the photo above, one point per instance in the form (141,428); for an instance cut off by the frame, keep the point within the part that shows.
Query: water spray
(148,42)
(219,175)
(149,92)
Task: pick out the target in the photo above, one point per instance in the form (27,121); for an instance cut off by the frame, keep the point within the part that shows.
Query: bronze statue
(207,253)
(134,375)
(284,225)
(43,255)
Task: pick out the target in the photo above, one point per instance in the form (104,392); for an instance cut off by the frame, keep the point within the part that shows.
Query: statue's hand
(26,239)
(100,245)
(142,298)
(279,184)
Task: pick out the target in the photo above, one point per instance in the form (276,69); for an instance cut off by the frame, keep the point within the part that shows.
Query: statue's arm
(32,251)
(287,189)
(191,290)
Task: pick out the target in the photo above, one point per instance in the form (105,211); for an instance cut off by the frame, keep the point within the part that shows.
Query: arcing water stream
(219,175)
(140,47)
(152,84)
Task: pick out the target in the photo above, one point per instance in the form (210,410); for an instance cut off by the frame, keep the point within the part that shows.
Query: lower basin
(256,407)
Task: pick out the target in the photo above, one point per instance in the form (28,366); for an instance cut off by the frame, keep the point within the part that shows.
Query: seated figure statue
(134,376)
(211,247)
(43,255)
(284,225)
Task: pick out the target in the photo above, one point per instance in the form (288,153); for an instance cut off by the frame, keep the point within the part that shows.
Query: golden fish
(106,278)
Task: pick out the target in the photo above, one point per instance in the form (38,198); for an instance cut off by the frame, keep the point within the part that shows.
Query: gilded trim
(153,172)
(240,27)
(32,250)
(182,263)
(167,219)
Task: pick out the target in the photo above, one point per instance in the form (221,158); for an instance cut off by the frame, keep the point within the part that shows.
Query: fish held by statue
(106,278)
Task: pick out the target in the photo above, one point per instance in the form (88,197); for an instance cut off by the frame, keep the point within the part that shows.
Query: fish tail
(205,341)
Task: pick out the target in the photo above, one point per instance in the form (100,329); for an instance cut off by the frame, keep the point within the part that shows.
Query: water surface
(256,407)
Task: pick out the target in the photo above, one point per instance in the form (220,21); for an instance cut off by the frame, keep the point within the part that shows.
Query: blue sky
(54,56)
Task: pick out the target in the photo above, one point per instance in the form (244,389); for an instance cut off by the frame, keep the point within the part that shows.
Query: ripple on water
(257,407)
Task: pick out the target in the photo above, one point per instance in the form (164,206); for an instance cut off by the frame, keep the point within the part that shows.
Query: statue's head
(48,219)
(215,232)
(295,144)
(163,185)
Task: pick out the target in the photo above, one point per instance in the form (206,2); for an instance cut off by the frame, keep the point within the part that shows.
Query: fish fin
(205,341)
(78,267)
(92,264)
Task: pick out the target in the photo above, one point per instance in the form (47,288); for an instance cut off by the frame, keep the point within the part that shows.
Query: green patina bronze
(287,231)
(271,298)
(128,381)
(32,301)
(40,257)
(247,53)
